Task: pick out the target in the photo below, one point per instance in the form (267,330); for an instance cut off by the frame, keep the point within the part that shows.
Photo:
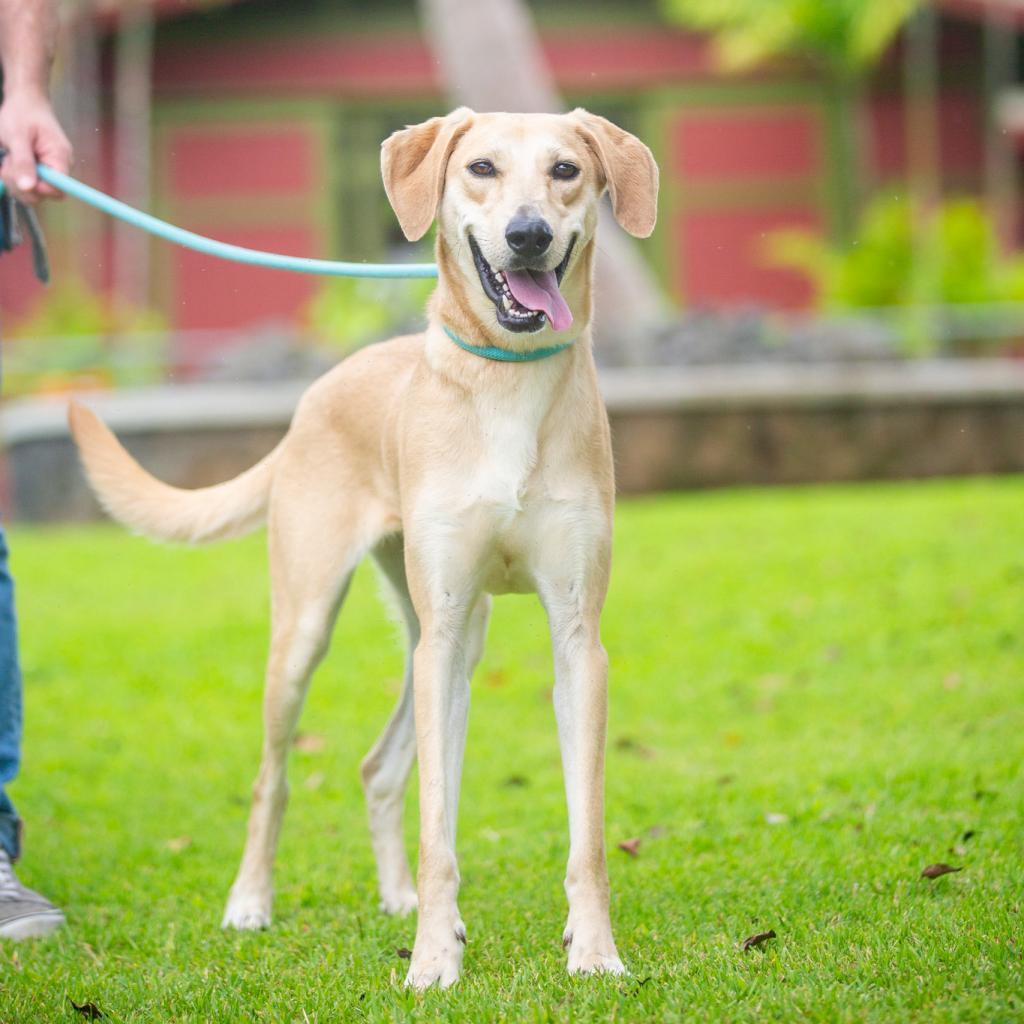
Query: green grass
(848,658)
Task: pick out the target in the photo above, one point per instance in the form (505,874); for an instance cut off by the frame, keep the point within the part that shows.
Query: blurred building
(266,119)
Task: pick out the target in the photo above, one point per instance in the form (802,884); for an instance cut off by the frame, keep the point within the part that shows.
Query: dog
(470,460)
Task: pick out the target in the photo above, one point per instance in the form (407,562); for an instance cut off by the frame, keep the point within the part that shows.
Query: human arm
(29,129)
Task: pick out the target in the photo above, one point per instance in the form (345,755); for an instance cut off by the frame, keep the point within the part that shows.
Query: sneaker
(24,914)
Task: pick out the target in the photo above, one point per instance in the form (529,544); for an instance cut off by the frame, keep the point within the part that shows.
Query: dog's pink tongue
(538,290)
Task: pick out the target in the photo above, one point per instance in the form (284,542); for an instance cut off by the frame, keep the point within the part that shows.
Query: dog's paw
(596,963)
(437,962)
(594,957)
(399,901)
(246,913)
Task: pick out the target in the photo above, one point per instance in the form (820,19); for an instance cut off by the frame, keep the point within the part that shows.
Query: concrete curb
(762,386)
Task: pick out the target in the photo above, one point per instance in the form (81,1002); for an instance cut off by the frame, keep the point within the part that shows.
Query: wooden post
(1000,48)
(133,63)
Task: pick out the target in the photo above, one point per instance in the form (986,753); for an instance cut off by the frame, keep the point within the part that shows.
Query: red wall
(736,169)
(19,289)
(732,172)
(400,64)
(255,184)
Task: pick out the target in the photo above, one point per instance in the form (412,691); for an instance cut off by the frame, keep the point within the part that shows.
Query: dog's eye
(564,171)
(482,169)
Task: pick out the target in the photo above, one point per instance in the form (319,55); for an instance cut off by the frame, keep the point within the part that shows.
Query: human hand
(31,134)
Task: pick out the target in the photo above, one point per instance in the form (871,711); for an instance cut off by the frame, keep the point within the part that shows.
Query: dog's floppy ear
(413,163)
(629,169)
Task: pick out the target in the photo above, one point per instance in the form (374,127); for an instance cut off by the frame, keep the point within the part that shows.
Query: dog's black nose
(528,235)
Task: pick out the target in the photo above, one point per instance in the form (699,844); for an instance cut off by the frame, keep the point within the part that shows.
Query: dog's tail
(157,510)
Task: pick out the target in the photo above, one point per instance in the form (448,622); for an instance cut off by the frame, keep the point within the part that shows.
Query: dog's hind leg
(385,769)
(313,550)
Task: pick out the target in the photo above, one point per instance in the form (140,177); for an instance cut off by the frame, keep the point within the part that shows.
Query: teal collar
(506,355)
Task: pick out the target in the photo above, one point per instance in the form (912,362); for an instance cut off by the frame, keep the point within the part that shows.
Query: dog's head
(516,199)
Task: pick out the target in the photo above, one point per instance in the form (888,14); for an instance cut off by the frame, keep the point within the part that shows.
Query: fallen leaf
(309,742)
(774,818)
(632,746)
(179,843)
(630,846)
(403,953)
(516,780)
(90,1011)
(725,780)
(315,781)
(756,940)
(938,870)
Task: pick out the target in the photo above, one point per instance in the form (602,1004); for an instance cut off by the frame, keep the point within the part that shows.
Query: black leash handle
(17,220)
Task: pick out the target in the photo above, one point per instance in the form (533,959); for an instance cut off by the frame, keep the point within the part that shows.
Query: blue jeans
(10,706)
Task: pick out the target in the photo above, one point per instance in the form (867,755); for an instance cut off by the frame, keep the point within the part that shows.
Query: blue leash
(211,247)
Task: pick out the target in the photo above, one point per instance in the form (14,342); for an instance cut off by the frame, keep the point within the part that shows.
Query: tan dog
(464,475)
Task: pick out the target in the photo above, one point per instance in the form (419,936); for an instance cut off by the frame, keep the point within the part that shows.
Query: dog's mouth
(525,299)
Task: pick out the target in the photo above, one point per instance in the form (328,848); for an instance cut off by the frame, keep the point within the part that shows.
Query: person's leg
(23,913)
(10,706)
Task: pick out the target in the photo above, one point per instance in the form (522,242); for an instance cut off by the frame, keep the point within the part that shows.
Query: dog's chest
(509,433)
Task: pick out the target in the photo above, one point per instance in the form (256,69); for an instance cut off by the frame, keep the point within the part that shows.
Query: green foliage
(76,337)
(846,36)
(845,660)
(349,312)
(903,257)
(843,38)
(72,309)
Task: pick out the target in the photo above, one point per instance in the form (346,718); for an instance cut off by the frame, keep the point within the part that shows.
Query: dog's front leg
(441,690)
(581,703)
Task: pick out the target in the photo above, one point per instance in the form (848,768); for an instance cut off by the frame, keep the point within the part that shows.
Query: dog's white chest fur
(509,442)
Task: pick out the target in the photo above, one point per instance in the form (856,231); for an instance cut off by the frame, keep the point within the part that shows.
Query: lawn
(815,694)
